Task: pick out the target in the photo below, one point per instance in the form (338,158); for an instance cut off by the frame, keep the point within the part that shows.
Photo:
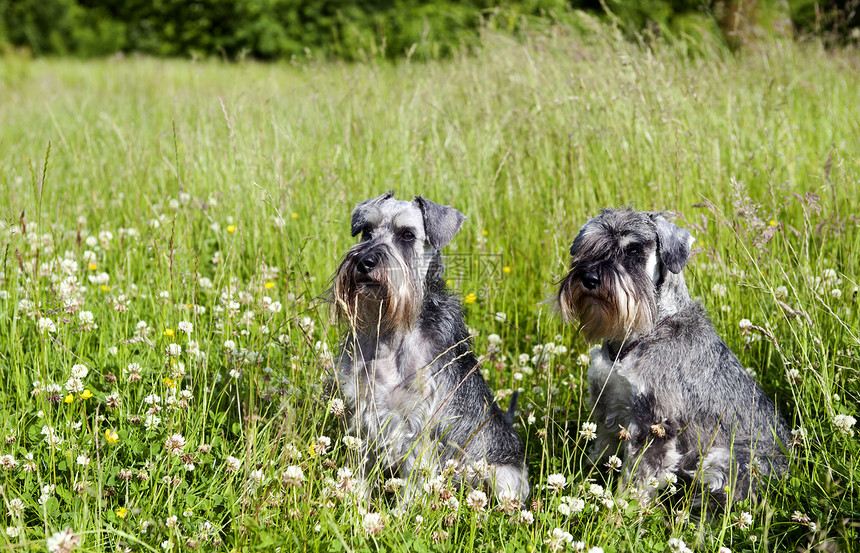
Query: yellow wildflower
(69,399)
(269,285)
(86,394)
(231,228)
(111,436)
(295,215)
(470,297)
(169,382)
(168,332)
(121,512)
(93,266)
(506,270)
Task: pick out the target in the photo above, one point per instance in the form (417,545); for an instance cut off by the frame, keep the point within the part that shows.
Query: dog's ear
(359,214)
(673,243)
(441,222)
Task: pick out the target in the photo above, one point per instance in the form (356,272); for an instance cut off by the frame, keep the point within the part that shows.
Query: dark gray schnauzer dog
(407,370)
(666,392)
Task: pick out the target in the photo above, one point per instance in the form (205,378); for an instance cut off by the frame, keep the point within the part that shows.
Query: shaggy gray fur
(667,392)
(407,369)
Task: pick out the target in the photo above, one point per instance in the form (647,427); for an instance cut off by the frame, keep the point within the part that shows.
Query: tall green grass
(245,175)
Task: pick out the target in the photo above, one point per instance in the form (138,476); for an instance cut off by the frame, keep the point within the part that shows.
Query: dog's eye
(632,250)
(407,236)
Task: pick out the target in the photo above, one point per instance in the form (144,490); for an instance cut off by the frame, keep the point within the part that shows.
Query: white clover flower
(392,485)
(556,482)
(373,523)
(563,509)
(336,407)
(677,545)
(74,385)
(836,293)
(494,339)
(152,399)
(15,507)
(559,539)
(476,500)
(186,327)
(256,476)
(576,504)
(589,431)
(352,443)
(793,375)
(526,517)
(745,520)
(719,290)
(745,324)
(12,531)
(275,307)
(79,371)
(8,462)
(584,359)
(83,460)
(293,476)
(63,541)
(614,462)
(235,374)
(151,421)
(845,423)
(87,320)
(173,350)
(781,293)
(233,464)
(230,345)
(175,444)
(501,317)
(45,324)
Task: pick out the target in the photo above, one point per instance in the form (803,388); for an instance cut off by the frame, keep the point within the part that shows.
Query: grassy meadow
(168,231)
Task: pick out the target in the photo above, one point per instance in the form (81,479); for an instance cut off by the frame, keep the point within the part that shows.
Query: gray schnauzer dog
(407,369)
(666,391)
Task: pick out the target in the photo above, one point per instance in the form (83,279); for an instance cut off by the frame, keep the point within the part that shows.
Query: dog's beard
(387,298)
(614,310)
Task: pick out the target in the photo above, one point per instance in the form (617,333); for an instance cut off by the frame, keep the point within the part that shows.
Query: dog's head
(380,282)
(619,261)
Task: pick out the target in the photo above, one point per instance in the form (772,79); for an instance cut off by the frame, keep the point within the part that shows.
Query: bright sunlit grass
(169,230)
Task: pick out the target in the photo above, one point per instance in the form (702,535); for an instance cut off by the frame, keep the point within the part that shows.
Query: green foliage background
(355,30)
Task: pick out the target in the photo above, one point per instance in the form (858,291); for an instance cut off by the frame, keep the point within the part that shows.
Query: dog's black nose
(590,281)
(368,263)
